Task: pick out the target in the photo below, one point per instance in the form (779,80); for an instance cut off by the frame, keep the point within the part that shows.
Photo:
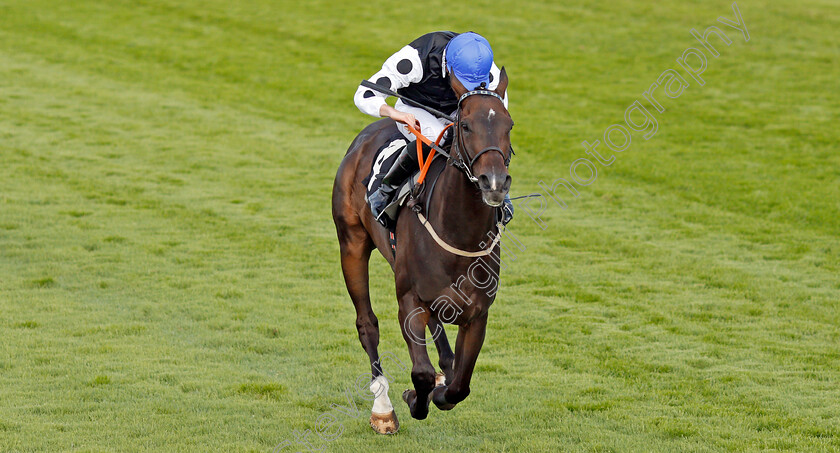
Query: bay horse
(431,283)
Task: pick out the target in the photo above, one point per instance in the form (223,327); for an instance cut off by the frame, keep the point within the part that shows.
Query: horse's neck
(458,213)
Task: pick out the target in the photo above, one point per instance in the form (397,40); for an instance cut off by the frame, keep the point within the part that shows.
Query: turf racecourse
(169,275)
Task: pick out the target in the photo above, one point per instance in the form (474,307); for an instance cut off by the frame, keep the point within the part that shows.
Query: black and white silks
(417,71)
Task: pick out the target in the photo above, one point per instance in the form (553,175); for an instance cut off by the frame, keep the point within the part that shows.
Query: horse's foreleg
(445,355)
(413,319)
(467,347)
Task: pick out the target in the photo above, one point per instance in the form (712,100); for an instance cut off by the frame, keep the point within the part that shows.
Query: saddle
(403,193)
(412,195)
(408,192)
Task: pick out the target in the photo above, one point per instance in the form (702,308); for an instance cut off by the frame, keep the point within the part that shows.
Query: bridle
(462,163)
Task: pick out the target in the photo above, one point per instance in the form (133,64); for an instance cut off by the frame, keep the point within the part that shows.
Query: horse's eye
(464,126)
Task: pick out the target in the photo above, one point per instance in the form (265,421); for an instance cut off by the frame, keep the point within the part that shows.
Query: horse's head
(483,139)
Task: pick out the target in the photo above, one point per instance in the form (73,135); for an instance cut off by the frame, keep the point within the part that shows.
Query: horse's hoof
(406,395)
(440,379)
(384,423)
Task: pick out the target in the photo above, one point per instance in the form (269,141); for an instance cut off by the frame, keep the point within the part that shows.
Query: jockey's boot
(507,210)
(404,166)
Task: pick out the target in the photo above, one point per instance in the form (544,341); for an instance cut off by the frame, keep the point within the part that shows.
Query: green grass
(169,275)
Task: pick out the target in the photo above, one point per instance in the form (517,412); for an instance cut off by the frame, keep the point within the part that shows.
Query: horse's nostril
(484,182)
(506,186)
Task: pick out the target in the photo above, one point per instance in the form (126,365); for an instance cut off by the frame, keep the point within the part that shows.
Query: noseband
(462,163)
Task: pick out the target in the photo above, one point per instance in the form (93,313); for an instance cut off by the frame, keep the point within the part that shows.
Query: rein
(424,164)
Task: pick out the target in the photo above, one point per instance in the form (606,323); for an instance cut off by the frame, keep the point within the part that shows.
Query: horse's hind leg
(445,355)
(356,245)
(355,255)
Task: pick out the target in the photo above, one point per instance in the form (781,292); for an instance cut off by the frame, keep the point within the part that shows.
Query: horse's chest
(458,294)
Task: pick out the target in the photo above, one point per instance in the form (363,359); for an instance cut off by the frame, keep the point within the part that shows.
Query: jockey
(420,71)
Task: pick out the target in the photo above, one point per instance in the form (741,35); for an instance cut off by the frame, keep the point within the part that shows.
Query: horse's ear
(457,86)
(503,82)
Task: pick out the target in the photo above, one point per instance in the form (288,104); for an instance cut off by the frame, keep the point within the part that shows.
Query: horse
(430,274)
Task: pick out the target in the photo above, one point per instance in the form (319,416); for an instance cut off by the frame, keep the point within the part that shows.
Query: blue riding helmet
(469,57)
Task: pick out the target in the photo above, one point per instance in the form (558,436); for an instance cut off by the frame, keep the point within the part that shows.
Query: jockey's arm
(393,76)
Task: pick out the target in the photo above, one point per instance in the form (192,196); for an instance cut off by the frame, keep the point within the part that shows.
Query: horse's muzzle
(494,187)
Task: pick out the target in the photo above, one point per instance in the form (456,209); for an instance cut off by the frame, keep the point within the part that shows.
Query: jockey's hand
(402,117)
(407,118)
